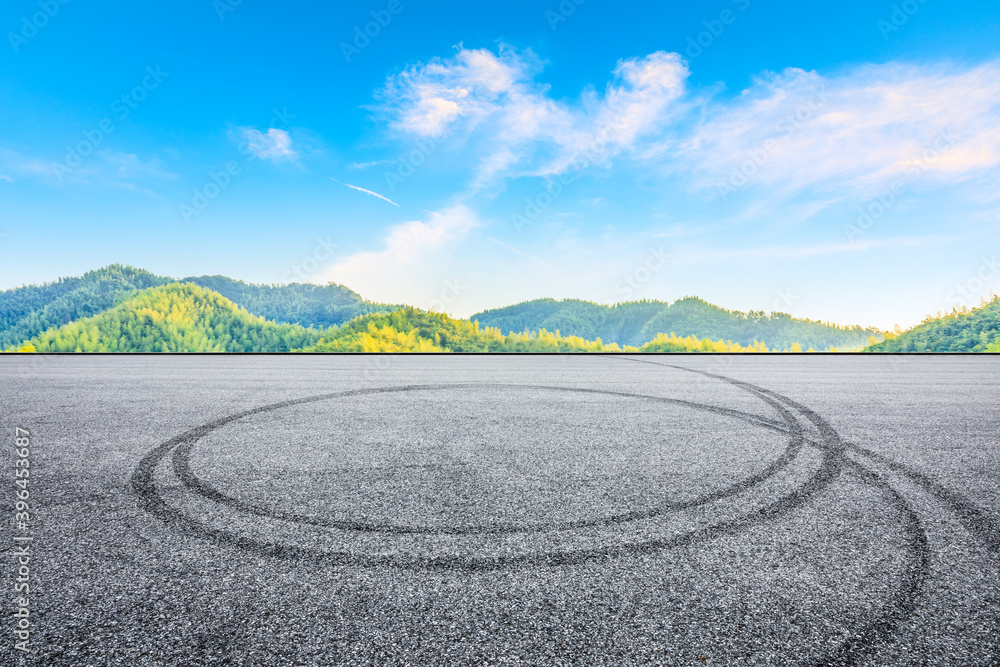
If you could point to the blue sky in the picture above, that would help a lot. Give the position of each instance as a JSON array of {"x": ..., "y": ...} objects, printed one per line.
[{"x": 838, "y": 162}]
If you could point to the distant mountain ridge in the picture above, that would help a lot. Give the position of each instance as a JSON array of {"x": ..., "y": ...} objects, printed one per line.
[
  {"x": 335, "y": 318},
  {"x": 638, "y": 322},
  {"x": 26, "y": 312},
  {"x": 976, "y": 330},
  {"x": 175, "y": 318}
]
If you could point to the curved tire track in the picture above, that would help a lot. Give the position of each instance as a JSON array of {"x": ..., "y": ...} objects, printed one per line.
[{"x": 887, "y": 629}]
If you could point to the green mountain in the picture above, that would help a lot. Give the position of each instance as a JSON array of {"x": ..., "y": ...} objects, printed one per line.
[
  {"x": 307, "y": 305},
  {"x": 27, "y": 311},
  {"x": 175, "y": 318},
  {"x": 976, "y": 330},
  {"x": 120, "y": 308},
  {"x": 638, "y": 322},
  {"x": 413, "y": 330}
]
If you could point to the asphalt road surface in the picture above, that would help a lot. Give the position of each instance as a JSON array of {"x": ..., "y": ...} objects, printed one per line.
[{"x": 674, "y": 510}]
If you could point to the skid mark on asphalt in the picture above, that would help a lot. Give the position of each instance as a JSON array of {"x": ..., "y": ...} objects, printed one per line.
[
  {"x": 889, "y": 629},
  {"x": 804, "y": 428}
]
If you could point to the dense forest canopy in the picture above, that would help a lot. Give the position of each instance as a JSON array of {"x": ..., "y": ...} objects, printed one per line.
[
  {"x": 412, "y": 330},
  {"x": 636, "y": 323},
  {"x": 28, "y": 311},
  {"x": 961, "y": 330},
  {"x": 124, "y": 309},
  {"x": 175, "y": 318},
  {"x": 307, "y": 305}
]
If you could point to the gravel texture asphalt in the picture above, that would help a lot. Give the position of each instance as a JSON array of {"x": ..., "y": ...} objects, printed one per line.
[{"x": 503, "y": 510}]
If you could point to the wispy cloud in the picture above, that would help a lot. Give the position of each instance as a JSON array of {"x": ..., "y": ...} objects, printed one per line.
[
  {"x": 805, "y": 252},
  {"x": 104, "y": 169},
  {"x": 274, "y": 144},
  {"x": 408, "y": 249},
  {"x": 511, "y": 124},
  {"x": 368, "y": 192},
  {"x": 516, "y": 251},
  {"x": 368, "y": 165},
  {"x": 847, "y": 132}
]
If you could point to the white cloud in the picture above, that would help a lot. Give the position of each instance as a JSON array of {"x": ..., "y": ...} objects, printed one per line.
[
  {"x": 403, "y": 269},
  {"x": 127, "y": 166},
  {"x": 850, "y": 132},
  {"x": 6, "y": 178},
  {"x": 274, "y": 144},
  {"x": 512, "y": 124}
]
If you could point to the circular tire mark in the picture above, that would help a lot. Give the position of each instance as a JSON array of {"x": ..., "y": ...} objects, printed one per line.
[
  {"x": 144, "y": 487},
  {"x": 182, "y": 468}
]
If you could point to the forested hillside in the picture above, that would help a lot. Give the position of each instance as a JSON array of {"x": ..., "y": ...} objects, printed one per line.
[
  {"x": 412, "y": 330},
  {"x": 175, "y": 318},
  {"x": 638, "y": 322},
  {"x": 120, "y": 308},
  {"x": 308, "y": 305},
  {"x": 975, "y": 330},
  {"x": 27, "y": 311}
]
